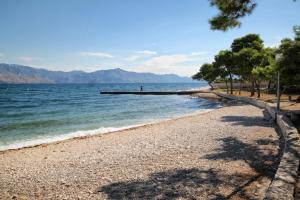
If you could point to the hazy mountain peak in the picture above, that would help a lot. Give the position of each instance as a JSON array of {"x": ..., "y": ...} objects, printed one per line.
[{"x": 13, "y": 73}]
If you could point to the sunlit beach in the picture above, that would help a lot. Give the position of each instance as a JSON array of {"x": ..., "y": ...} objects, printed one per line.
[{"x": 150, "y": 99}]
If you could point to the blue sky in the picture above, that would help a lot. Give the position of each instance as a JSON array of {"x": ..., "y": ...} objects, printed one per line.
[{"x": 160, "y": 36}]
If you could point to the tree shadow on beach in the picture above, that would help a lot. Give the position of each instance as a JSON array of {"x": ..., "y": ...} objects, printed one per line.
[
  {"x": 180, "y": 183},
  {"x": 260, "y": 159},
  {"x": 185, "y": 184},
  {"x": 206, "y": 183},
  {"x": 163, "y": 185},
  {"x": 242, "y": 120},
  {"x": 194, "y": 183},
  {"x": 256, "y": 154}
]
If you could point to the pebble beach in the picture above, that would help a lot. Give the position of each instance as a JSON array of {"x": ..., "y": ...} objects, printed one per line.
[{"x": 228, "y": 153}]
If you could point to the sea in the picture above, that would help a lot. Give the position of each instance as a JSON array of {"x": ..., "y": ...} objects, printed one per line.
[{"x": 32, "y": 114}]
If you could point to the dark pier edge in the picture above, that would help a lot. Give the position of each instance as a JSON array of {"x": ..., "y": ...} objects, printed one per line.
[{"x": 188, "y": 92}]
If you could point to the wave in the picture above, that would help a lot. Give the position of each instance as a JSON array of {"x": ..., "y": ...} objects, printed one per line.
[
  {"x": 200, "y": 88},
  {"x": 76, "y": 134}
]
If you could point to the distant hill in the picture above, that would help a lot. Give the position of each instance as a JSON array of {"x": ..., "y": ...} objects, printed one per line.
[{"x": 12, "y": 73}]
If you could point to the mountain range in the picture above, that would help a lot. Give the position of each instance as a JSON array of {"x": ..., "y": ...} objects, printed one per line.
[{"x": 13, "y": 73}]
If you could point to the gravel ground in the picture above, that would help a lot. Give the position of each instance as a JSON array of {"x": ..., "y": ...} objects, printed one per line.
[{"x": 229, "y": 153}]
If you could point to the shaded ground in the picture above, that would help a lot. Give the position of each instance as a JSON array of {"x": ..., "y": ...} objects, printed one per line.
[
  {"x": 230, "y": 153},
  {"x": 285, "y": 104},
  {"x": 191, "y": 183}
]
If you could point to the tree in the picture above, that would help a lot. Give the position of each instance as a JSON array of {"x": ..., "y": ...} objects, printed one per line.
[
  {"x": 224, "y": 61},
  {"x": 248, "y": 41},
  {"x": 264, "y": 70},
  {"x": 246, "y": 59},
  {"x": 269, "y": 65},
  {"x": 230, "y": 12},
  {"x": 297, "y": 32},
  {"x": 207, "y": 72},
  {"x": 289, "y": 64},
  {"x": 246, "y": 55}
]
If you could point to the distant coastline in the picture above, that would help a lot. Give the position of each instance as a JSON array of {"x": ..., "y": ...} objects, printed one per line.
[{"x": 13, "y": 73}]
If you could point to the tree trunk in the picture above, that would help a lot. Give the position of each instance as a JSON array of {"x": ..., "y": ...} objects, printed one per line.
[
  {"x": 240, "y": 89},
  {"x": 252, "y": 88},
  {"x": 230, "y": 76},
  {"x": 226, "y": 86},
  {"x": 269, "y": 87},
  {"x": 275, "y": 86},
  {"x": 257, "y": 83}
]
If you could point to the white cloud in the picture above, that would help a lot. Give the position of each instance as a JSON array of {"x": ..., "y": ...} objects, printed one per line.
[
  {"x": 133, "y": 58},
  {"x": 147, "y": 52},
  {"x": 141, "y": 54},
  {"x": 182, "y": 64},
  {"x": 166, "y": 60},
  {"x": 1, "y": 54},
  {"x": 26, "y": 58},
  {"x": 97, "y": 54},
  {"x": 199, "y": 53},
  {"x": 273, "y": 42}
]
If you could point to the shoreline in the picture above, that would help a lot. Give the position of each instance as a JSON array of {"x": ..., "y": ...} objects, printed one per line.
[
  {"x": 204, "y": 155},
  {"x": 73, "y": 136},
  {"x": 38, "y": 141}
]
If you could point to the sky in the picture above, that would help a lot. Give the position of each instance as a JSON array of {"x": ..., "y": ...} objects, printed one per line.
[{"x": 159, "y": 36}]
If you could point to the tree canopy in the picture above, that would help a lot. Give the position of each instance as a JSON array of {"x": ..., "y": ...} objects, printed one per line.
[
  {"x": 289, "y": 63},
  {"x": 224, "y": 62},
  {"x": 230, "y": 13},
  {"x": 249, "y": 61},
  {"x": 252, "y": 41},
  {"x": 207, "y": 72}
]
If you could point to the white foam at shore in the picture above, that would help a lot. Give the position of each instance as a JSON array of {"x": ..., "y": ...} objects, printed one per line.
[
  {"x": 62, "y": 137},
  {"x": 201, "y": 88},
  {"x": 77, "y": 134},
  {"x": 196, "y": 89}
]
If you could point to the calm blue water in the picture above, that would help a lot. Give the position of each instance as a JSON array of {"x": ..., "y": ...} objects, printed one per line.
[{"x": 37, "y": 113}]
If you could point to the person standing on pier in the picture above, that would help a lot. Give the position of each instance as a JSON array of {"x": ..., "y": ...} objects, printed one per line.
[{"x": 141, "y": 90}]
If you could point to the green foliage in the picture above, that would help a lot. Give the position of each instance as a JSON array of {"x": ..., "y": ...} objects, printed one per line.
[
  {"x": 225, "y": 64},
  {"x": 269, "y": 64},
  {"x": 207, "y": 72},
  {"x": 266, "y": 68},
  {"x": 259, "y": 73},
  {"x": 224, "y": 59},
  {"x": 289, "y": 63},
  {"x": 249, "y": 61},
  {"x": 248, "y": 55},
  {"x": 252, "y": 41},
  {"x": 297, "y": 32},
  {"x": 245, "y": 60},
  {"x": 230, "y": 13}
]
